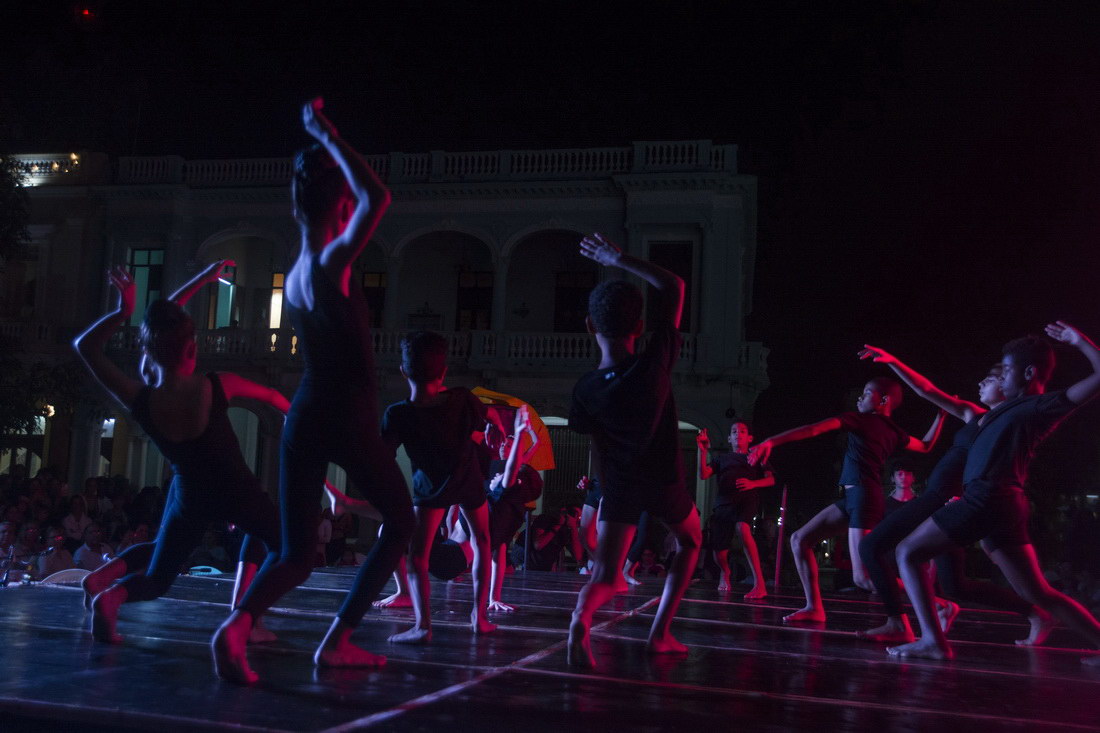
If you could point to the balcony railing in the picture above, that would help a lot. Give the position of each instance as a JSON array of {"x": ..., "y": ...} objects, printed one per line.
[{"x": 535, "y": 352}]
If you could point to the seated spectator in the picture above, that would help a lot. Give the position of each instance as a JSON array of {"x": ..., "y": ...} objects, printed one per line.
[
  {"x": 76, "y": 523},
  {"x": 136, "y": 536},
  {"x": 56, "y": 558},
  {"x": 550, "y": 534},
  {"x": 94, "y": 552},
  {"x": 29, "y": 543},
  {"x": 7, "y": 537},
  {"x": 210, "y": 553},
  {"x": 648, "y": 566}
]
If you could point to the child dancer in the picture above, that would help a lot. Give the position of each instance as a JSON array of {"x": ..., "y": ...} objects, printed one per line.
[
  {"x": 872, "y": 437},
  {"x": 334, "y": 416},
  {"x": 436, "y": 426},
  {"x": 627, "y": 406},
  {"x": 736, "y": 503},
  {"x": 185, "y": 415}
]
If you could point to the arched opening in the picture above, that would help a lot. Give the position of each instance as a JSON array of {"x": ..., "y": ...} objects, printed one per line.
[
  {"x": 248, "y": 295},
  {"x": 548, "y": 284},
  {"x": 370, "y": 274},
  {"x": 446, "y": 283}
]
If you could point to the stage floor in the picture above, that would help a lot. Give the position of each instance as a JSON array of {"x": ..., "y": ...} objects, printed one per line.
[{"x": 745, "y": 669}]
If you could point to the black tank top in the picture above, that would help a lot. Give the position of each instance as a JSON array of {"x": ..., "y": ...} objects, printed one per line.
[
  {"x": 336, "y": 345},
  {"x": 212, "y": 458},
  {"x": 946, "y": 478}
]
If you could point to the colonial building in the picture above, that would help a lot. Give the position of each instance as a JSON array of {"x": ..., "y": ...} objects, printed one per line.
[{"x": 481, "y": 246}]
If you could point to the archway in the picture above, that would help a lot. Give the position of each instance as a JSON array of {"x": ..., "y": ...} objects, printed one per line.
[
  {"x": 548, "y": 283},
  {"x": 446, "y": 283}
]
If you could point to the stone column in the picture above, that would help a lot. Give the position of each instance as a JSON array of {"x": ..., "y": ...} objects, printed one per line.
[
  {"x": 391, "y": 319},
  {"x": 500, "y": 281},
  {"x": 85, "y": 447}
]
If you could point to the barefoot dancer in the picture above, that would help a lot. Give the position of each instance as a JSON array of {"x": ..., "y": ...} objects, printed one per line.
[
  {"x": 334, "y": 416},
  {"x": 436, "y": 426},
  {"x": 185, "y": 415},
  {"x": 993, "y": 506},
  {"x": 872, "y": 437},
  {"x": 627, "y": 406},
  {"x": 736, "y": 503},
  {"x": 878, "y": 548}
]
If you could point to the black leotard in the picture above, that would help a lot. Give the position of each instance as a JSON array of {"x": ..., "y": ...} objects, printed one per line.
[{"x": 334, "y": 418}]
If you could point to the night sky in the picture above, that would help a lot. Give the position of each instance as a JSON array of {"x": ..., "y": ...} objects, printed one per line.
[{"x": 928, "y": 175}]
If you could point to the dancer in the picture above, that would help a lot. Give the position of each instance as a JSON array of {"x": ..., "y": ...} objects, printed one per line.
[
  {"x": 736, "y": 503},
  {"x": 878, "y": 548},
  {"x": 184, "y": 413},
  {"x": 627, "y": 406},
  {"x": 436, "y": 426},
  {"x": 333, "y": 416},
  {"x": 993, "y": 506},
  {"x": 872, "y": 437}
]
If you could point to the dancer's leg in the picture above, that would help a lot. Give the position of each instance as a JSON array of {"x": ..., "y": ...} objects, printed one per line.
[
  {"x": 500, "y": 564},
  {"x": 611, "y": 548},
  {"x": 478, "y": 520},
  {"x": 427, "y": 523},
  {"x": 752, "y": 554},
  {"x": 925, "y": 543},
  {"x": 689, "y": 537},
  {"x": 722, "y": 560},
  {"x": 829, "y": 522}
]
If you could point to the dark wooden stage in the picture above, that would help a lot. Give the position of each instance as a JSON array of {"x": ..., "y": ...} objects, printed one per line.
[{"x": 745, "y": 671}]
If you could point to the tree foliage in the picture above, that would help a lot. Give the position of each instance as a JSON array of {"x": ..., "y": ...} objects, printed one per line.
[
  {"x": 26, "y": 389},
  {"x": 14, "y": 208}
]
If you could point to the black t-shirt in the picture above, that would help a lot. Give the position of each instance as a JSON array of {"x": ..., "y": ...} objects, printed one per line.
[
  {"x": 945, "y": 480},
  {"x": 526, "y": 488},
  {"x": 630, "y": 412},
  {"x": 728, "y": 468},
  {"x": 437, "y": 439},
  {"x": 1006, "y": 441},
  {"x": 871, "y": 440},
  {"x": 892, "y": 505}
]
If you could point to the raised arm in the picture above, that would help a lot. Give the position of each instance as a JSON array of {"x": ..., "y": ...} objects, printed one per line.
[
  {"x": 90, "y": 345},
  {"x": 1086, "y": 389},
  {"x": 512, "y": 464},
  {"x": 371, "y": 194},
  {"x": 925, "y": 444},
  {"x": 532, "y": 449},
  {"x": 703, "y": 441},
  {"x": 236, "y": 386},
  {"x": 761, "y": 451},
  {"x": 671, "y": 286},
  {"x": 209, "y": 274},
  {"x": 965, "y": 411}
]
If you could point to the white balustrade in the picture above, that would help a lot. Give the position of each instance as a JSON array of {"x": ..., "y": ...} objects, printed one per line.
[{"x": 160, "y": 169}]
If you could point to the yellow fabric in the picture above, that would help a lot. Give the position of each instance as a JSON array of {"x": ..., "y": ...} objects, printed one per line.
[{"x": 543, "y": 460}]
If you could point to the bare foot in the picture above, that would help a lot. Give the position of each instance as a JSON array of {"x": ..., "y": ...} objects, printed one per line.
[
  {"x": 807, "y": 615},
  {"x": 896, "y": 630},
  {"x": 397, "y": 600},
  {"x": 261, "y": 635},
  {"x": 500, "y": 607},
  {"x": 415, "y": 635},
  {"x": 665, "y": 645},
  {"x": 947, "y": 613},
  {"x": 757, "y": 592},
  {"x": 1042, "y": 623},
  {"x": 1093, "y": 661},
  {"x": 105, "y": 615},
  {"x": 347, "y": 655},
  {"x": 228, "y": 648},
  {"x": 578, "y": 653},
  {"x": 723, "y": 583},
  {"x": 481, "y": 625},
  {"x": 922, "y": 649}
]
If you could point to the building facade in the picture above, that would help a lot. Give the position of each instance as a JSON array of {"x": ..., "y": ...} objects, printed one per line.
[{"x": 481, "y": 246}]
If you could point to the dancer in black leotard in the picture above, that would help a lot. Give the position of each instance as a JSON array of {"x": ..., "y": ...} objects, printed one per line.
[
  {"x": 334, "y": 416},
  {"x": 878, "y": 548},
  {"x": 185, "y": 415}
]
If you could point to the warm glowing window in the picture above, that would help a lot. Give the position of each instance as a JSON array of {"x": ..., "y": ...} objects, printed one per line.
[
  {"x": 147, "y": 269},
  {"x": 275, "y": 312}
]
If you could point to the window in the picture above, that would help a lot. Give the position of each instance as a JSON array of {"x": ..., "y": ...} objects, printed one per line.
[
  {"x": 374, "y": 290},
  {"x": 475, "y": 301},
  {"x": 147, "y": 269},
  {"x": 222, "y": 309},
  {"x": 275, "y": 311},
  {"x": 676, "y": 256}
]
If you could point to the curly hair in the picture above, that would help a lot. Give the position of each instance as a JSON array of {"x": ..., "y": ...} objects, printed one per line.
[
  {"x": 615, "y": 307},
  {"x": 1032, "y": 350}
]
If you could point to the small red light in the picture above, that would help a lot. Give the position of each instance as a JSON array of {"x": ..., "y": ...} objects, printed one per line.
[{"x": 86, "y": 12}]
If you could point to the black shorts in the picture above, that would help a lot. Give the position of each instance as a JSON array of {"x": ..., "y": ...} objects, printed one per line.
[
  {"x": 863, "y": 507},
  {"x": 1001, "y": 520},
  {"x": 725, "y": 518},
  {"x": 469, "y": 494},
  {"x": 592, "y": 497},
  {"x": 671, "y": 505}
]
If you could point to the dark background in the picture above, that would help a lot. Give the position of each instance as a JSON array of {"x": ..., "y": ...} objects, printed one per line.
[{"x": 928, "y": 173}]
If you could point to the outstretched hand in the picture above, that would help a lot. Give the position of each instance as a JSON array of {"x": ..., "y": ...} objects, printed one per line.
[
  {"x": 523, "y": 420},
  {"x": 315, "y": 121},
  {"x": 1062, "y": 331},
  {"x": 876, "y": 354},
  {"x": 595, "y": 247},
  {"x": 214, "y": 270},
  {"x": 760, "y": 453},
  {"x": 127, "y": 291}
]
